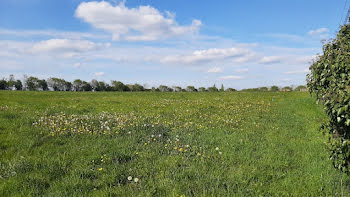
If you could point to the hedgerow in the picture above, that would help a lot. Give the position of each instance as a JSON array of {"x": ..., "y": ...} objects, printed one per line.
[{"x": 329, "y": 80}]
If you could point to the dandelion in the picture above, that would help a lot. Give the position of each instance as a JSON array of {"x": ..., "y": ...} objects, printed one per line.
[
  {"x": 181, "y": 149},
  {"x": 129, "y": 178},
  {"x": 100, "y": 169},
  {"x": 136, "y": 180}
]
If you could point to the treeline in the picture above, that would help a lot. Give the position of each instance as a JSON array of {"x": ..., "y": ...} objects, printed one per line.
[{"x": 57, "y": 84}]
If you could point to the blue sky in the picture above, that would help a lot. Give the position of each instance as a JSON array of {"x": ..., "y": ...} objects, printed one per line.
[{"x": 240, "y": 44}]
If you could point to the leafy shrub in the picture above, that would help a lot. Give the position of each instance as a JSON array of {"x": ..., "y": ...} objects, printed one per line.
[{"x": 329, "y": 80}]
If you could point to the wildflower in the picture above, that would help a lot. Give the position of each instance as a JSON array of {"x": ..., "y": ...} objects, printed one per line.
[
  {"x": 175, "y": 148},
  {"x": 129, "y": 178},
  {"x": 220, "y": 153},
  {"x": 217, "y": 148},
  {"x": 181, "y": 149},
  {"x": 100, "y": 169},
  {"x": 136, "y": 180},
  {"x": 136, "y": 153}
]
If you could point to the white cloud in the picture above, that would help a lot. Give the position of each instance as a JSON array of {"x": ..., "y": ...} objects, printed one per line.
[
  {"x": 270, "y": 60},
  {"x": 58, "y": 45},
  {"x": 231, "y": 77},
  {"x": 318, "y": 31},
  {"x": 208, "y": 55},
  {"x": 215, "y": 70},
  {"x": 297, "y": 72},
  {"x": 143, "y": 23},
  {"x": 242, "y": 70},
  {"x": 99, "y": 74}
]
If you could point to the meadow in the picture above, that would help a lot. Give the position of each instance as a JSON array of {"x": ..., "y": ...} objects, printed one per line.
[{"x": 164, "y": 144}]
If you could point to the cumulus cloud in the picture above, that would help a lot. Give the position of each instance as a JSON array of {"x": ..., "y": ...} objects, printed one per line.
[
  {"x": 231, "y": 77},
  {"x": 318, "y": 31},
  {"x": 208, "y": 55},
  {"x": 215, "y": 70},
  {"x": 143, "y": 23}
]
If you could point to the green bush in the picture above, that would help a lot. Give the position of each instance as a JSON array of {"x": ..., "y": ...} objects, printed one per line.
[{"x": 329, "y": 80}]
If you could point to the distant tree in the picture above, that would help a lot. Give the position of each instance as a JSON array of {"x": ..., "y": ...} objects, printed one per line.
[
  {"x": 177, "y": 89},
  {"x": 230, "y": 90},
  {"x": 191, "y": 89},
  {"x": 18, "y": 85},
  {"x": 11, "y": 81},
  {"x": 222, "y": 89},
  {"x": 263, "y": 89},
  {"x": 202, "y": 89},
  {"x": 102, "y": 86},
  {"x": 68, "y": 86},
  {"x": 77, "y": 85},
  {"x": 86, "y": 86},
  {"x": 301, "y": 88},
  {"x": 95, "y": 85},
  {"x": 43, "y": 84},
  {"x": 164, "y": 88},
  {"x": 57, "y": 84},
  {"x": 287, "y": 88},
  {"x": 32, "y": 83},
  {"x": 3, "y": 84},
  {"x": 119, "y": 86},
  {"x": 137, "y": 88},
  {"x": 274, "y": 89},
  {"x": 213, "y": 89}
]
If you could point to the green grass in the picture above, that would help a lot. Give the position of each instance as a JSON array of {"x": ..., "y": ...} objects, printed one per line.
[{"x": 265, "y": 147}]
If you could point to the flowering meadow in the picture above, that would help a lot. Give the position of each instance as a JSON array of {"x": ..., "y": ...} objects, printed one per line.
[{"x": 164, "y": 144}]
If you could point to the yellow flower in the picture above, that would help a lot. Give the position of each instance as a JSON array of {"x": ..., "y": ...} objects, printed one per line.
[
  {"x": 181, "y": 149},
  {"x": 100, "y": 169}
]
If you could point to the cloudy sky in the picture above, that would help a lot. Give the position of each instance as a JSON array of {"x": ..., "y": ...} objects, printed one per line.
[{"x": 240, "y": 44}]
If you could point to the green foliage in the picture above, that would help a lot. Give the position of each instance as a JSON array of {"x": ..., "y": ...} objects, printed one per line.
[
  {"x": 213, "y": 89},
  {"x": 32, "y": 83},
  {"x": 330, "y": 81},
  {"x": 231, "y": 90},
  {"x": 191, "y": 89},
  {"x": 18, "y": 85},
  {"x": 274, "y": 89},
  {"x": 3, "y": 84},
  {"x": 119, "y": 86}
]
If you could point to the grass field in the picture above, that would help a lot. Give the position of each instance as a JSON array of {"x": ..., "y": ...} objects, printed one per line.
[{"x": 164, "y": 144}]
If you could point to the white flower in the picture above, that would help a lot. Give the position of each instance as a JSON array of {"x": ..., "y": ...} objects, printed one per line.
[
  {"x": 187, "y": 146},
  {"x": 220, "y": 153},
  {"x": 152, "y": 135},
  {"x": 160, "y": 135},
  {"x": 129, "y": 178},
  {"x": 136, "y": 180},
  {"x": 217, "y": 148}
]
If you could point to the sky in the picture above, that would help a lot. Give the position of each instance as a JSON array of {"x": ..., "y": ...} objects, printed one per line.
[{"x": 240, "y": 44}]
